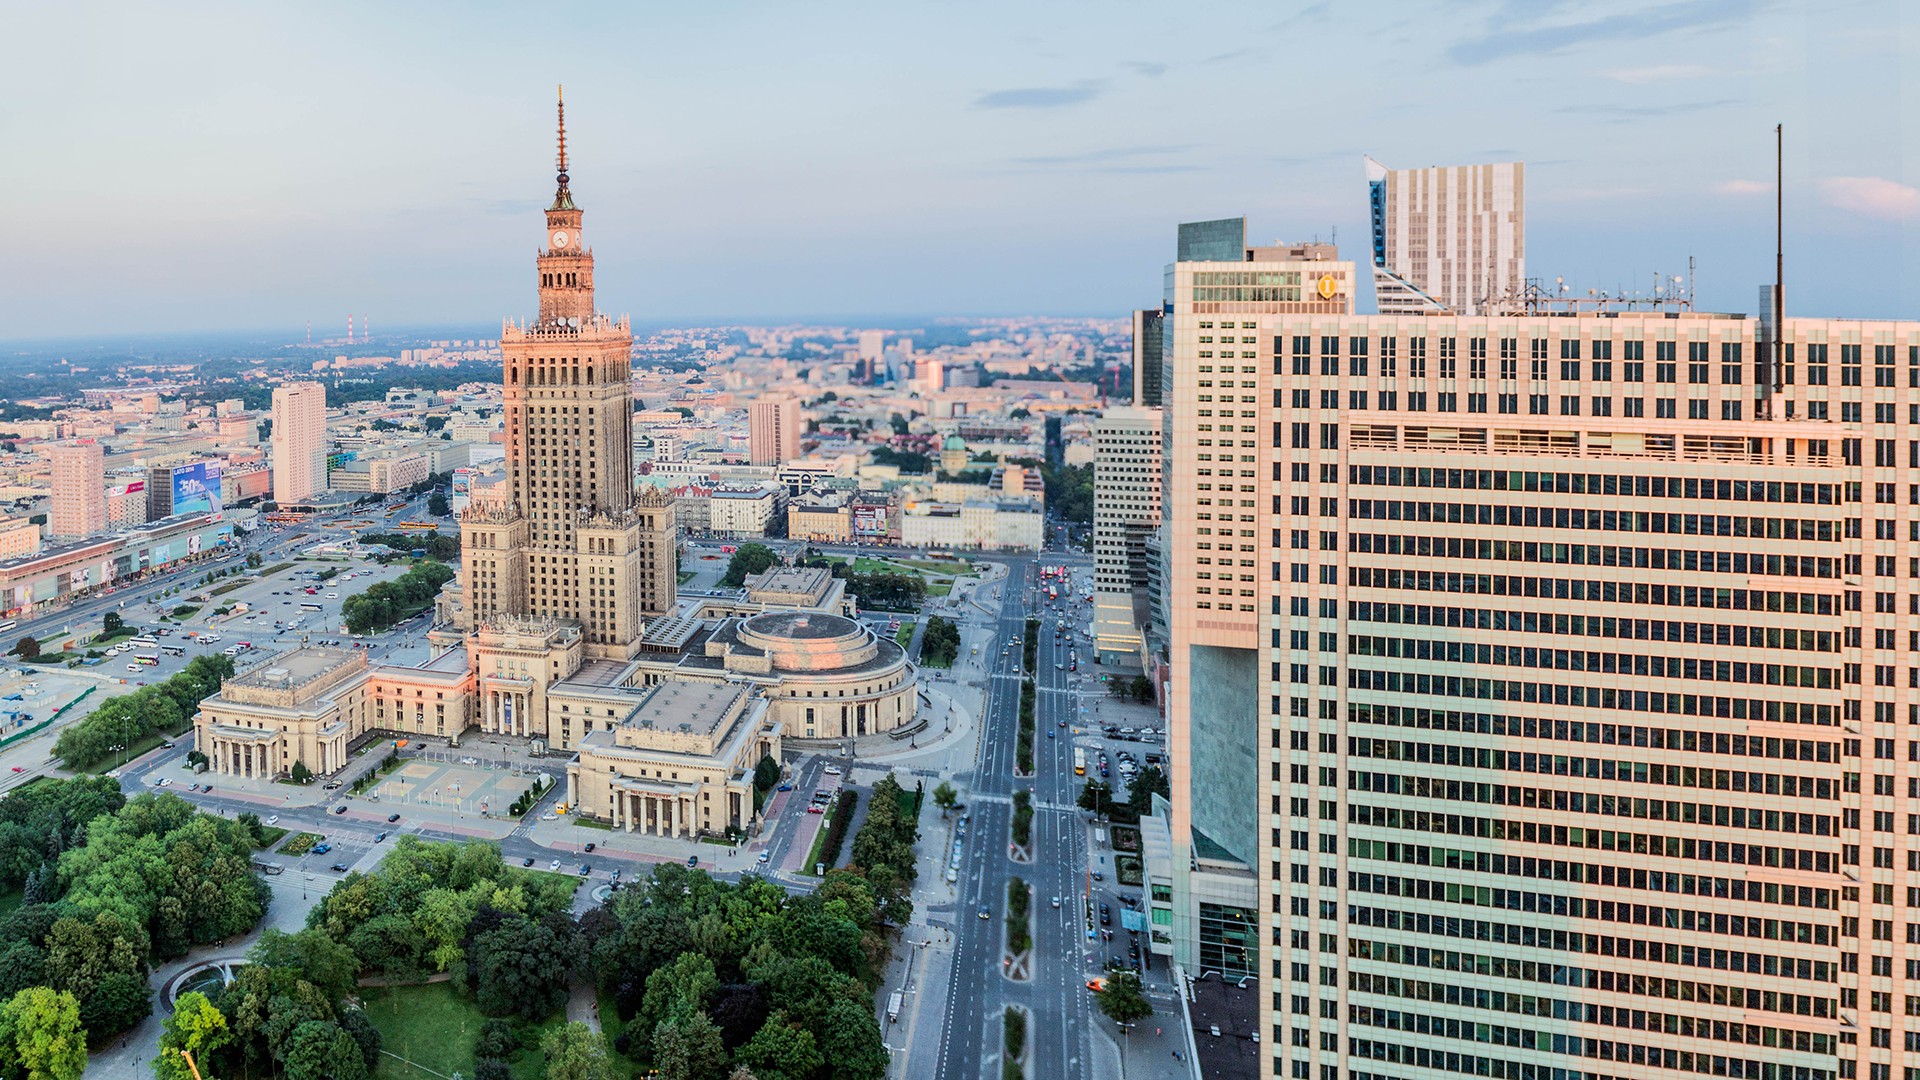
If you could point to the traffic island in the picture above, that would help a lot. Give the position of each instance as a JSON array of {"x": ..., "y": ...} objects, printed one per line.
[
  {"x": 1023, "y": 745},
  {"x": 1013, "y": 1058},
  {"x": 1016, "y": 961},
  {"x": 1020, "y": 845}
]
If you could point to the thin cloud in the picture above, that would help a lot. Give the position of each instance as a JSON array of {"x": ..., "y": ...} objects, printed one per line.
[
  {"x": 1657, "y": 73},
  {"x": 1149, "y": 68},
  {"x": 1041, "y": 97},
  {"x": 1107, "y": 154},
  {"x": 1742, "y": 187},
  {"x": 1503, "y": 41},
  {"x": 1872, "y": 196},
  {"x": 1630, "y": 114}
]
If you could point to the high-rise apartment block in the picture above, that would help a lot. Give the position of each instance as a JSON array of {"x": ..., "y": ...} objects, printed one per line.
[
  {"x": 299, "y": 441},
  {"x": 79, "y": 505},
  {"x": 773, "y": 430},
  {"x": 1545, "y": 687},
  {"x": 1126, "y": 511},
  {"x": 1448, "y": 238}
]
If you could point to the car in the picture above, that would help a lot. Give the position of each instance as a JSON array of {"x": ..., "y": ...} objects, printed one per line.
[
  {"x": 554, "y": 865},
  {"x": 590, "y": 846},
  {"x": 528, "y": 861},
  {"x": 763, "y": 856},
  {"x": 832, "y": 770},
  {"x": 273, "y": 819},
  {"x": 615, "y": 877},
  {"x": 340, "y": 809},
  {"x": 391, "y": 818},
  {"x": 816, "y": 808},
  {"x": 379, "y": 836},
  {"x": 338, "y": 868},
  {"x": 1056, "y": 901},
  {"x": 693, "y": 861},
  {"x": 1098, "y": 876},
  {"x": 322, "y": 848},
  {"x": 1050, "y": 733},
  {"x": 984, "y": 914},
  {"x": 1106, "y": 916},
  {"x": 1063, "y": 723},
  {"x": 783, "y": 787},
  {"x": 166, "y": 781}
]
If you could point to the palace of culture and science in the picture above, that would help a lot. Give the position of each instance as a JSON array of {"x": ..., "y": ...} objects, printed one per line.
[{"x": 564, "y": 627}]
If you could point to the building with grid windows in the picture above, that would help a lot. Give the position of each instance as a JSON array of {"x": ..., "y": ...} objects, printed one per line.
[
  {"x": 1447, "y": 238},
  {"x": 1126, "y": 511},
  {"x": 1548, "y": 686}
]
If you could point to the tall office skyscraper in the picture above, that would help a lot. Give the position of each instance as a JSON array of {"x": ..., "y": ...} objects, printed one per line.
[
  {"x": 299, "y": 441},
  {"x": 1568, "y": 735},
  {"x": 773, "y": 430},
  {"x": 1447, "y": 238},
  {"x": 1147, "y": 324},
  {"x": 79, "y": 505},
  {"x": 573, "y": 543},
  {"x": 1126, "y": 511}
]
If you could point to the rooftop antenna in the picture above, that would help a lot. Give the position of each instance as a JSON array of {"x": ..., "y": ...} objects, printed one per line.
[
  {"x": 349, "y": 329},
  {"x": 1779, "y": 251}
]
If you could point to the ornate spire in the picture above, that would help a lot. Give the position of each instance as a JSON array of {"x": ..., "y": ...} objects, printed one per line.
[{"x": 562, "y": 199}]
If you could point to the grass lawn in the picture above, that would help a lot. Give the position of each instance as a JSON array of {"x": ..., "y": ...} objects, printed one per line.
[
  {"x": 118, "y": 635},
  {"x": 688, "y": 575},
  {"x": 954, "y": 569},
  {"x": 434, "y": 1025},
  {"x": 574, "y": 881},
  {"x": 276, "y": 568},
  {"x": 940, "y": 588},
  {"x": 271, "y": 835},
  {"x": 905, "y": 634},
  {"x": 226, "y": 588},
  {"x": 589, "y": 823},
  {"x": 115, "y": 759}
]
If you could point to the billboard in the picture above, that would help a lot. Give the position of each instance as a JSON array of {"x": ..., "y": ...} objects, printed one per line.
[
  {"x": 870, "y": 521},
  {"x": 462, "y": 481},
  {"x": 196, "y": 488}
]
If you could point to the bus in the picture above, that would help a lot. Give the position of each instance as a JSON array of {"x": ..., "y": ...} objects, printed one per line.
[
  {"x": 310, "y": 607},
  {"x": 8, "y": 625},
  {"x": 1079, "y": 761},
  {"x": 146, "y": 659},
  {"x": 144, "y": 643},
  {"x": 418, "y": 526},
  {"x": 173, "y": 650}
]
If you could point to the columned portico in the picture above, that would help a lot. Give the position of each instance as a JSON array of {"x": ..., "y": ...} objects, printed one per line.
[{"x": 655, "y": 812}]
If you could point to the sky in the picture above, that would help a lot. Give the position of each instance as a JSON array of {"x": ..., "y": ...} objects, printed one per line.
[{"x": 219, "y": 167}]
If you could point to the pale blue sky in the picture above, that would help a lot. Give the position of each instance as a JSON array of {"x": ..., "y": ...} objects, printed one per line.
[{"x": 229, "y": 166}]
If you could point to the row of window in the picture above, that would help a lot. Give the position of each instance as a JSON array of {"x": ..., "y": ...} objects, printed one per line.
[
  {"x": 1580, "y": 483},
  {"x": 1736, "y": 854},
  {"x": 1569, "y": 518},
  {"x": 1637, "y": 1054},
  {"x": 1640, "y": 665},
  {"x": 1640, "y": 594},
  {"x": 1682, "y": 1026}
]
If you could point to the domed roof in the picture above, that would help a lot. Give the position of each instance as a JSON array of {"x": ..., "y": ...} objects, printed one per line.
[
  {"x": 954, "y": 442},
  {"x": 809, "y": 640}
]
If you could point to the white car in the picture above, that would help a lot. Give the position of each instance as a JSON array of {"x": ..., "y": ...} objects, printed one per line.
[
  {"x": 554, "y": 865},
  {"x": 166, "y": 781},
  {"x": 832, "y": 770},
  {"x": 333, "y": 596},
  {"x": 273, "y": 819}
]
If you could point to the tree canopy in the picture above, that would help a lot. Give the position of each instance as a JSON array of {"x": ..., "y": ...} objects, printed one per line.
[{"x": 748, "y": 559}]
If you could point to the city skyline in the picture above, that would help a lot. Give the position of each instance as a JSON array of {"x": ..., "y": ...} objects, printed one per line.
[{"x": 1022, "y": 166}]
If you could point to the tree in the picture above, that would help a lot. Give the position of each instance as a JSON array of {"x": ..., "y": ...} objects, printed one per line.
[
  {"x": 1122, "y": 1000},
  {"x": 322, "y": 1050},
  {"x": 28, "y": 649},
  {"x": 197, "y": 1027},
  {"x": 300, "y": 773},
  {"x": 748, "y": 559},
  {"x": 1145, "y": 784},
  {"x": 115, "y": 1004},
  {"x": 766, "y": 774},
  {"x": 112, "y": 623},
  {"x": 364, "y": 1034},
  {"x": 850, "y": 1039},
  {"x": 576, "y": 1052},
  {"x": 944, "y": 797},
  {"x": 42, "y": 1027},
  {"x": 689, "y": 1048},
  {"x": 523, "y": 966},
  {"x": 438, "y": 506},
  {"x": 310, "y": 955},
  {"x": 1096, "y": 796},
  {"x": 781, "y": 1051}
]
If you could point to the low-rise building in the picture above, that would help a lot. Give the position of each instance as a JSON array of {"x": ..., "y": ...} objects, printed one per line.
[
  {"x": 676, "y": 759},
  {"x": 746, "y": 511},
  {"x": 822, "y": 518}
]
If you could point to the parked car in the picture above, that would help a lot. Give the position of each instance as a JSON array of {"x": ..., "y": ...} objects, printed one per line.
[
  {"x": 693, "y": 862},
  {"x": 322, "y": 848},
  {"x": 391, "y": 818},
  {"x": 338, "y": 868},
  {"x": 590, "y": 846},
  {"x": 554, "y": 865},
  {"x": 340, "y": 809},
  {"x": 528, "y": 861}
]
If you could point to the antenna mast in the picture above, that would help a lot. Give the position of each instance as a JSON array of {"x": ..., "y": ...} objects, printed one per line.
[{"x": 1779, "y": 251}]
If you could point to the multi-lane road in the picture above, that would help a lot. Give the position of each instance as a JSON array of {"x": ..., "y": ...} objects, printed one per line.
[{"x": 1054, "y": 990}]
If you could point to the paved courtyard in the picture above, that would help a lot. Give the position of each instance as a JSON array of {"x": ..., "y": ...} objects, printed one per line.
[{"x": 466, "y": 789}]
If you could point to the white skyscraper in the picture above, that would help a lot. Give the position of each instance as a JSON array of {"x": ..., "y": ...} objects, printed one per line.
[
  {"x": 1447, "y": 238},
  {"x": 299, "y": 441}
]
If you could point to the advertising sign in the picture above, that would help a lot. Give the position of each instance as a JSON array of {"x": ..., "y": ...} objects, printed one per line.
[
  {"x": 870, "y": 521},
  {"x": 196, "y": 488}
]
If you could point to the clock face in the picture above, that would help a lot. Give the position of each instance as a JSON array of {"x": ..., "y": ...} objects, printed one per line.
[{"x": 560, "y": 238}]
